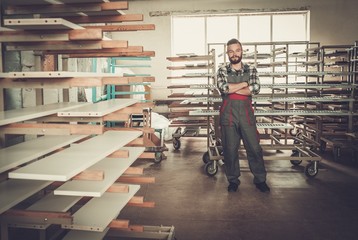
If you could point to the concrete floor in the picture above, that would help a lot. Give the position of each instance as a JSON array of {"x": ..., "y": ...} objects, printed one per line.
[{"x": 199, "y": 207}]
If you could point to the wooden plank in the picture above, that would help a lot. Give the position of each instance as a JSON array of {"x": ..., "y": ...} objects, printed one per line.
[
  {"x": 119, "y": 223},
  {"x": 54, "y": 74},
  {"x": 99, "y": 109},
  {"x": 24, "y": 152},
  {"x": 117, "y": 54},
  {"x": 79, "y": 235},
  {"x": 68, "y": 82},
  {"x": 106, "y": 19},
  {"x": 54, "y": 203},
  {"x": 36, "y": 217},
  {"x": 66, "y": 164},
  {"x": 107, "y": 48},
  {"x": 124, "y": 28},
  {"x": 50, "y": 203},
  {"x": 52, "y": 129},
  {"x": 112, "y": 167},
  {"x": 120, "y": 154},
  {"x": 89, "y": 34},
  {"x": 110, "y": 204},
  {"x": 14, "y": 191},
  {"x": 90, "y": 175},
  {"x": 23, "y": 114},
  {"x": 118, "y": 188},
  {"x": 53, "y": 47},
  {"x": 70, "y": 8},
  {"x": 38, "y": 2},
  {"x": 137, "y": 180},
  {"x": 127, "y": 80},
  {"x": 77, "y": 34},
  {"x": 40, "y": 24}
]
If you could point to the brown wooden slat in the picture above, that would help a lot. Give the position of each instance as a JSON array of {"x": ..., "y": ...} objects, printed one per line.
[
  {"x": 38, "y": 36},
  {"x": 66, "y": 8},
  {"x": 123, "y": 50},
  {"x": 117, "y": 54},
  {"x": 123, "y": 28},
  {"x": 95, "y": 175},
  {"x": 106, "y": 19}
]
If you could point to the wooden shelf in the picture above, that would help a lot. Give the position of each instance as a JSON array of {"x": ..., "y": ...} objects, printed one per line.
[
  {"x": 23, "y": 114},
  {"x": 21, "y": 153},
  {"x": 64, "y": 165},
  {"x": 113, "y": 168},
  {"x": 40, "y": 24}
]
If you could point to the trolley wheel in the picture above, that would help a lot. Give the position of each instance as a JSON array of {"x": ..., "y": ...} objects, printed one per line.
[
  {"x": 176, "y": 143},
  {"x": 206, "y": 157},
  {"x": 158, "y": 157},
  {"x": 295, "y": 162},
  {"x": 211, "y": 168},
  {"x": 311, "y": 170},
  {"x": 292, "y": 132}
]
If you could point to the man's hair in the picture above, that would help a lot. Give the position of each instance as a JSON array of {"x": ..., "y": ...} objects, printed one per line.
[{"x": 233, "y": 41}]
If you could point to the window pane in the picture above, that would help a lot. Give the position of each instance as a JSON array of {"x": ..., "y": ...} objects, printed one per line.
[
  {"x": 254, "y": 28},
  {"x": 188, "y": 35},
  {"x": 284, "y": 31},
  {"x": 221, "y": 29}
]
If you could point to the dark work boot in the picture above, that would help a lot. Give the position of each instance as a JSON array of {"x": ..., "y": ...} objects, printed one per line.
[{"x": 262, "y": 186}]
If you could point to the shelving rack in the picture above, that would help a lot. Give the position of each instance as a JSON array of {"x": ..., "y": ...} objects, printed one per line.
[
  {"x": 38, "y": 194},
  {"x": 141, "y": 119},
  {"x": 285, "y": 105},
  {"x": 338, "y": 129},
  {"x": 191, "y": 96}
]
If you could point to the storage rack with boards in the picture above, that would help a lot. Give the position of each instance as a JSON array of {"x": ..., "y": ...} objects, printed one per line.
[
  {"x": 280, "y": 108},
  {"x": 195, "y": 95},
  {"x": 338, "y": 129},
  {"x": 132, "y": 66},
  {"x": 74, "y": 165}
]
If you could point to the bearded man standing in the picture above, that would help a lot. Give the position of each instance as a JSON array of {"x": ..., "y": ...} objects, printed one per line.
[{"x": 237, "y": 83}]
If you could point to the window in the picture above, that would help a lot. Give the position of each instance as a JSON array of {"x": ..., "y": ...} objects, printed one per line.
[
  {"x": 199, "y": 34},
  {"x": 258, "y": 27}
]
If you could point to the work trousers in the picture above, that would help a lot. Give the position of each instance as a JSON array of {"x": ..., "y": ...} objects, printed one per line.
[{"x": 237, "y": 121}]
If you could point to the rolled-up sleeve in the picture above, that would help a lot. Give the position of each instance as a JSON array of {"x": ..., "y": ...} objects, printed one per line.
[
  {"x": 254, "y": 81},
  {"x": 222, "y": 81}
]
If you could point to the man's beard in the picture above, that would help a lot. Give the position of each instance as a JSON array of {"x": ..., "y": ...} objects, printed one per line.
[{"x": 232, "y": 61}]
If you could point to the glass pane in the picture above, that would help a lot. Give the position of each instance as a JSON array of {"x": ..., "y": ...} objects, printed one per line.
[
  {"x": 221, "y": 29},
  {"x": 188, "y": 35},
  {"x": 283, "y": 30},
  {"x": 254, "y": 28}
]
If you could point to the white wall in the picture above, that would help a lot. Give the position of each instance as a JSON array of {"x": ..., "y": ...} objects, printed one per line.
[{"x": 332, "y": 22}]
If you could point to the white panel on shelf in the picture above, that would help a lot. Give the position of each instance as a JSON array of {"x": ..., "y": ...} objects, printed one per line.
[
  {"x": 23, "y": 114},
  {"x": 98, "y": 213},
  {"x": 112, "y": 167},
  {"x": 64, "y": 165},
  {"x": 98, "y": 109},
  {"x": 24, "y": 152},
  {"x": 14, "y": 191}
]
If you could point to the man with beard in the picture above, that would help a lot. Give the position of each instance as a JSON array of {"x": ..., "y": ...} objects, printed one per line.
[{"x": 237, "y": 82}]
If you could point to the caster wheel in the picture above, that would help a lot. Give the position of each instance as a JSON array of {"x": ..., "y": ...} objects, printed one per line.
[
  {"x": 158, "y": 157},
  {"x": 295, "y": 162},
  {"x": 206, "y": 157},
  {"x": 211, "y": 169},
  {"x": 176, "y": 143},
  {"x": 311, "y": 170}
]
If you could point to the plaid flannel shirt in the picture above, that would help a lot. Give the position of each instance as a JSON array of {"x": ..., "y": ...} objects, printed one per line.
[{"x": 222, "y": 84}]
